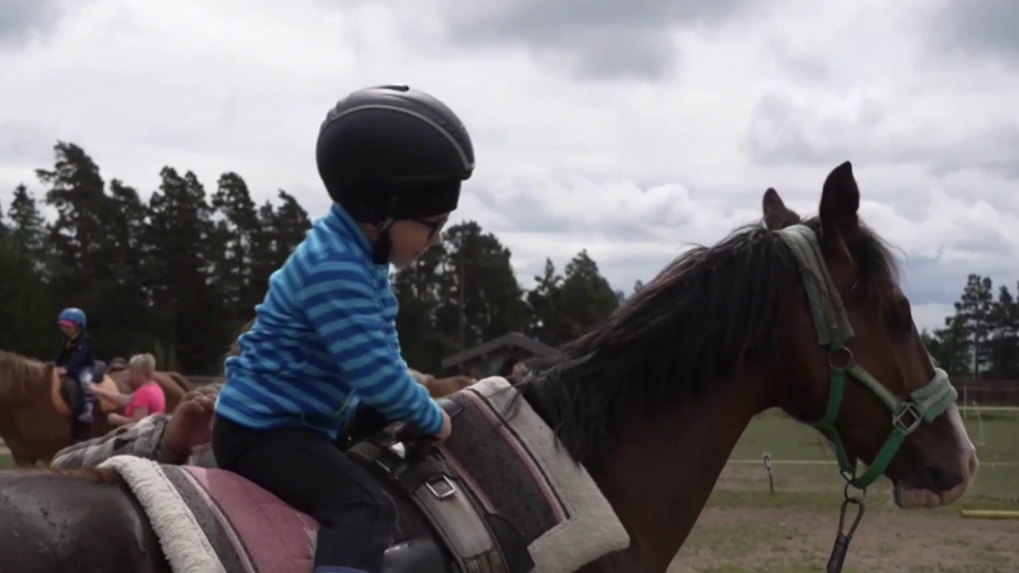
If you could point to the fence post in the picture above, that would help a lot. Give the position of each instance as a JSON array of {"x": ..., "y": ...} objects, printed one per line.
[
  {"x": 965, "y": 402},
  {"x": 768, "y": 469}
]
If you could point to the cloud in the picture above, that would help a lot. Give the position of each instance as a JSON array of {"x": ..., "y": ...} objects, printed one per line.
[
  {"x": 771, "y": 94},
  {"x": 23, "y": 20},
  {"x": 985, "y": 29},
  {"x": 790, "y": 127},
  {"x": 919, "y": 87},
  {"x": 591, "y": 39},
  {"x": 25, "y": 142}
]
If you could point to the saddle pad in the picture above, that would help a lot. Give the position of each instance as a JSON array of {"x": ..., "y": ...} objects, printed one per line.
[
  {"x": 213, "y": 521},
  {"x": 509, "y": 458},
  {"x": 60, "y": 403}
]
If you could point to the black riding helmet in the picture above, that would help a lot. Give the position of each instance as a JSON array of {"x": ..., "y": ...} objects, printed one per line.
[{"x": 392, "y": 152}]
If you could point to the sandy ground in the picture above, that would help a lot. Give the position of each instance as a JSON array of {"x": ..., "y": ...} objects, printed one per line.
[{"x": 791, "y": 541}]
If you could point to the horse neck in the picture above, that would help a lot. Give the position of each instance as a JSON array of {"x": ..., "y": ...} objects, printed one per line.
[
  {"x": 659, "y": 485},
  {"x": 19, "y": 374}
]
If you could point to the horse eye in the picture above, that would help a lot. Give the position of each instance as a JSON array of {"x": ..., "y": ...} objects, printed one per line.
[{"x": 900, "y": 317}]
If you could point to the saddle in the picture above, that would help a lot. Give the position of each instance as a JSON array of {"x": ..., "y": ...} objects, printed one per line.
[
  {"x": 473, "y": 540},
  {"x": 59, "y": 393}
]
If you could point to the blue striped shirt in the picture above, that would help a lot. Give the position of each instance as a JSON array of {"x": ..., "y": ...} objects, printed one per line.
[{"x": 323, "y": 340}]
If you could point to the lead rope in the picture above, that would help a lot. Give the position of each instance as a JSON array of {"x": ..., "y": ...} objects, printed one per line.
[
  {"x": 844, "y": 536},
  {"x": 833, "y": 330}
]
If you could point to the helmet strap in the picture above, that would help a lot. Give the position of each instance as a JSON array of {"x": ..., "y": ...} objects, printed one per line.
[{"x": 383, "y": 245}]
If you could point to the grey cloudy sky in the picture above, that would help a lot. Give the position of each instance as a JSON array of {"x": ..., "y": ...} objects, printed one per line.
[{"x": 628, "y": 128}]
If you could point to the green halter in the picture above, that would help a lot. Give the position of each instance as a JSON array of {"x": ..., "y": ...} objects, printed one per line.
[{"x": 833, "y": 332}]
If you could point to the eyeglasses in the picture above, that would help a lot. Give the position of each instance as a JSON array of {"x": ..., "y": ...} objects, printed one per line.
[{"x": 434, "y": 227}]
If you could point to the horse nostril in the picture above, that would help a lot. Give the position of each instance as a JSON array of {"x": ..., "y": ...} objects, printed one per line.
[
  {"x": 942, "y": 479},
  {"x": 973, "y": 464}
]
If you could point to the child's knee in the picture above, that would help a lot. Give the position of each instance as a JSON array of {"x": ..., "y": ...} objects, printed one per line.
[{"x": 373, "y": 506}]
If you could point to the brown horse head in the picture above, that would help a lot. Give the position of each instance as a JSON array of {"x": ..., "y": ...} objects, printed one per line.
[{"x": 885, "y": 359}]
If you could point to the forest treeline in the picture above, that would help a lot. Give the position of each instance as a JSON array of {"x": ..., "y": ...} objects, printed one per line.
[{"x": 178, "y": 274}]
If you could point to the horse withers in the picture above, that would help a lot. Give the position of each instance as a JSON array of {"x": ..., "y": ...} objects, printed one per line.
[{"x": 806, "y": 316}]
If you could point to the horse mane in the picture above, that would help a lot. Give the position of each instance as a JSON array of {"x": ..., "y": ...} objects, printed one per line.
[
  {"x": 17, "y": 372},
  {"x": 690, "y": 330}
]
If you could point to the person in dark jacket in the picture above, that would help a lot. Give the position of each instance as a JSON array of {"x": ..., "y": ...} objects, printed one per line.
[{"x": 76, "y": 359}]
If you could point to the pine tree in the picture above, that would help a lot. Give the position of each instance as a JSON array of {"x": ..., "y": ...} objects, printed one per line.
[
  {"x": 1003, "y": 346},
  {"x": 950, "y": 348},
  {"x": 26, "y": 311},
  {"x": 974, "y": 313}
]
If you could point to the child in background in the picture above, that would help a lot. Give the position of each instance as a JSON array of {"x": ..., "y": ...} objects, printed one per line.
[
  {"x": 324, "y": 340},
  {"x": 76, "y": 358}
]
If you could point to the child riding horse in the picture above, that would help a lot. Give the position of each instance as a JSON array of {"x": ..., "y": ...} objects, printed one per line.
[
  {"x": 76, "y": 359},
  {"x": 324, "y": 340}
]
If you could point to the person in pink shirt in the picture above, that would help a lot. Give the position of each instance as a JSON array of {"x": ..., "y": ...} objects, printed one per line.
[{"x": 147, "y": 398}]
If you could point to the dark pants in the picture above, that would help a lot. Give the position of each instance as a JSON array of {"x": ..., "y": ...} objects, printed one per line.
[
  {"x": 77, "y": 399},
  {"x": 304, "y": 469}
]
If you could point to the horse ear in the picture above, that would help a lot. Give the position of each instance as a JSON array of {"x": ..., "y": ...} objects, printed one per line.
[
  {"x": 840, "y": 202},
  {"x": 776, "y": 215}
]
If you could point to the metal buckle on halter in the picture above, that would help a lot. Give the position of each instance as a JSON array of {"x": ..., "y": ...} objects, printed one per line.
[
  {"x": 908, "y": 408},
  {"x": 450, "y": 488},
  {"x": 834, "y": 351}
]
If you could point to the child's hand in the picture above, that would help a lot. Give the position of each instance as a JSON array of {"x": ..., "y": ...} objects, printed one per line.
[
  {"x": 447, "y": 428},
  {"x": 407, "y": 432}
]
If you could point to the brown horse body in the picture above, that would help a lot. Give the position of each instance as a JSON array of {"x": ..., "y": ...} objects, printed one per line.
[
  {"x": 441, "y": 387},
  {"x": 31, "y": 425},
  {"x": 652, "y": 403}
]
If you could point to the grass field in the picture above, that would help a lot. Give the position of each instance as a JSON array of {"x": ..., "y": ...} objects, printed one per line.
[{"x": 747, "y": 529}]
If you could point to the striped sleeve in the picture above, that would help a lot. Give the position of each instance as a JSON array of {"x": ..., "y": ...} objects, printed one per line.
[{"x": 339, "y": 298}]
